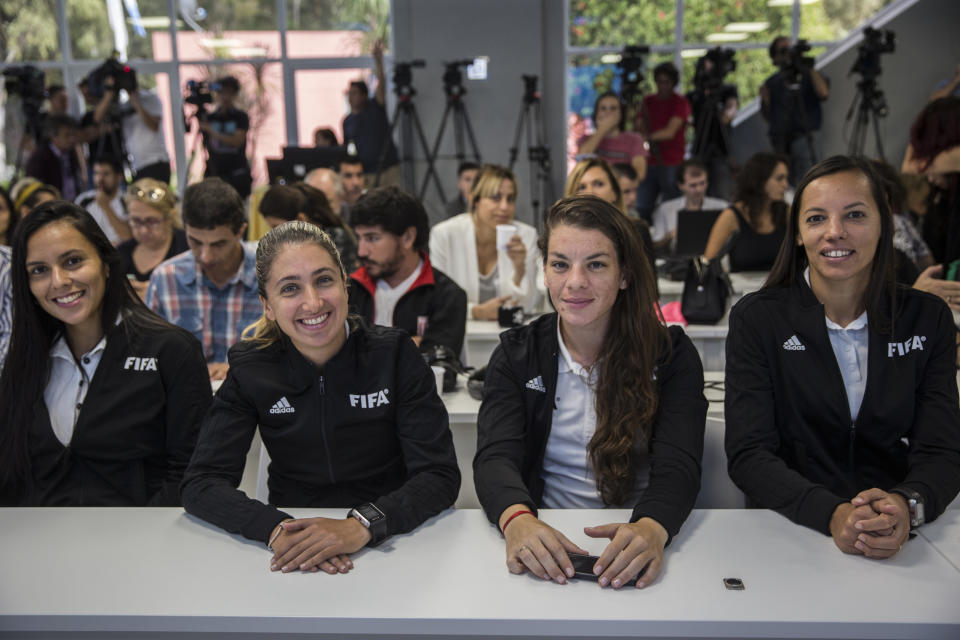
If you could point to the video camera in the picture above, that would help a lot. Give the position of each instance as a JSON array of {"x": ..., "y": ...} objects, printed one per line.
[
  {"x": 453, "y": 79},
  {"x": 403, "y": 77},
  {"x": 28, "y": 83},
  {"x": 631, "y": 70},
  {"x": 199, "y": 92},
  {"x": 124, "y": 77},
  {"x": 712, "y": 68},
  {"x": 875, "y": 42},
  {"x": 796, "y": 63}
]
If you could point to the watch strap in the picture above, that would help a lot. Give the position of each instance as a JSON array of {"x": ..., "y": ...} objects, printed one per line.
[
  {"x": 370, "y": 516},
  {"x": 914, "y": 504}
]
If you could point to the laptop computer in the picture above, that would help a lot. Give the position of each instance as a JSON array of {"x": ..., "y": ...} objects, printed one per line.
[{"x": 693, "y": 230}]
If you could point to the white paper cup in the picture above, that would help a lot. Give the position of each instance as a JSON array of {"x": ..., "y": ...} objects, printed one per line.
[
  {"x": 438, "y": 374},
  {"x": 504, "y": 233}
]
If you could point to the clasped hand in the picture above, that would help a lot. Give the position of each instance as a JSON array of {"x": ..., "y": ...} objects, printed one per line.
[
  {"x": 874, "y": 524},
  {"x": 535, "y": 546},
  {"x": 311, "y": 544}
]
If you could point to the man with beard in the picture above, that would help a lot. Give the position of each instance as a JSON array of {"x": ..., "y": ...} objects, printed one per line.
[{"x": 396, "y": 286}]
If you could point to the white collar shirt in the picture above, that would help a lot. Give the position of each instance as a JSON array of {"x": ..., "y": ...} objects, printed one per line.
[{"x": 68, "y": 385}]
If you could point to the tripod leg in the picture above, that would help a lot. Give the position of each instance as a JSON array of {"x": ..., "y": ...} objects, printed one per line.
[
  {"x": 521, "y": 119},
  {"x": 876, "y": 133},
  {"x": 431, "y": 170},
  {"x": 470, "y": 136},
  {"x": 426, "y": 152},
  {"x": 386, "y": 143}
]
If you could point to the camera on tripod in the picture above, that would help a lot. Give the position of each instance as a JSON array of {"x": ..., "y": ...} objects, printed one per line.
[
  {"x": 123, "y": 75},
  {"x": 403, "y": 77},
  {"x": 875, "y": 42},
  {"x": 27, "y": 82},
  {"x": 631, "y": 70},
  {"x": 453, "y": 79},
  {"x": 712, "y": 68}
]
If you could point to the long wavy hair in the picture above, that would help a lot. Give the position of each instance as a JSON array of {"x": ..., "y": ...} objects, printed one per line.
[
  {"x": 751, "y": 188},
  {"x": 27, "y": 367},
  {"x": 879, "y": 298},
  {"x": 265, "y": 331},
  {"x": 636, "y": 342},
  {"x": 936, "y": 129},
  {"x": 573, "y": 180}
]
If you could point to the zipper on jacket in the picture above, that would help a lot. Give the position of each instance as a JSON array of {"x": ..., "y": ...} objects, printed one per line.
[{"x": 323, "y": 431}]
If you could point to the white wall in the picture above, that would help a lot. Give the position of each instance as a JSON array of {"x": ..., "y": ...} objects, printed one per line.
[
  {"x": 928, "y": 50},
  {"x": 517, "y": 35}
]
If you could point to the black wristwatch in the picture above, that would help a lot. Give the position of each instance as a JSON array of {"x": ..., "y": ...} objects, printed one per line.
[
  {"x": 373, "y": 519},
  {"x": 914, "y": 503}
]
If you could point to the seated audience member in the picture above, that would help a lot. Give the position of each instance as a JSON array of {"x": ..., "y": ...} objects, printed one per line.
[
  {"x": 393, "y": 460},
  {"x": 100, "y": 400},
  {"x": 211, "y": 291},
  {"x": 154, "y": 223},
  {"x": 918, "y": 192},
  {"x": 466, "y": 174},
  {"x": 629, "y": 180},
  {"x": 947, "y": 87},
  {"x": 28, "y": 193},
  {"x": 328, "y": 181},
  {"x": 300, "y": 201},
  {"x": 609, "y": 141},
  {"x": 594, "y": 177},
  {"x": 324, "y": 137},
  {"x": 757, "y": 215},
  {"x": 693, "y": 183},
  {"x": 8, "y": 218},
  {"x": 841, "y": 396},
  {"x": 350, "y": 171},
  {"x": 911, "y": 254},
  {"x": 465, "y": 248},
  {"x": 616, "y": 413},
  {"x": 55, "y": 161},
  {"x": 396, "y": 286},
  {"x": 105, "y": 202}
]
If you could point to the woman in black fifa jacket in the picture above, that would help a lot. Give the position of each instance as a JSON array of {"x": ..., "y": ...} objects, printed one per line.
[
  {"x": 348, "y": 412},
  {"x": 596, "y": 405},
  {"x": 841, "y": 392},
  {"x": 100, "y": 399}
]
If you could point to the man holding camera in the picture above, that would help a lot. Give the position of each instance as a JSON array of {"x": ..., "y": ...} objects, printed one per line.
[
  {"x": 714, "y": 104},
  {"x": 140, "y": 116},
  {"x": 225, "y": 137},
  {"x": 790, "y": 101}
]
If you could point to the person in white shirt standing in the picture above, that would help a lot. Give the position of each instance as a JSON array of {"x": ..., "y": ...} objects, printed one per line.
[
  {"x": 692, "y": 182},
  {"x": 105, "y": 202}
]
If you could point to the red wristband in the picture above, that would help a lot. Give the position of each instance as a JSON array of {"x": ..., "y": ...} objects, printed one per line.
[{"x": 515, "y": 514}]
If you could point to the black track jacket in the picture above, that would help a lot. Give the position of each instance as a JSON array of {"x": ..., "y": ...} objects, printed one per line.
[
  {"x": 434, "y": 301},
  {"x": 135, "y": 433},
  {"x": 517, "y": 412},
  {"x": 791, "y": 443},
  {"x": 369, "y": 428}
]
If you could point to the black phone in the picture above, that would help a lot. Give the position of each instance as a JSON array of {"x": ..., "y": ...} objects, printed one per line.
[{"x": 583, "y": 568}]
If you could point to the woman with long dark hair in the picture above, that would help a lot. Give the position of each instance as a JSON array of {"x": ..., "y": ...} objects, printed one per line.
[
  {"x": 596, "y": 405},
  {"x": 757, "y": 215},
  {"x": 841, "y": 396},
  {"x": 348, "y": 412},
  {"x": 610, "y": 141},
  {"x": 100, "y": 399}
]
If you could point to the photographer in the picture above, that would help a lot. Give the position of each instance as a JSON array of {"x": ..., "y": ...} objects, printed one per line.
[
  {"x": 790, "y": 102},
  {"x": 714, "y": 105},
  {"x": 225, "y": 137},
  {"x": 140, "y": 120},
  {"x": 367, "y": 127}
]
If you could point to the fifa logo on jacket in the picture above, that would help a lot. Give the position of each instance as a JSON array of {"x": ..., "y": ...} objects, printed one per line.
[
  {"x": 140, "y": 364},
  {"x": 369, "y": 400},
  {"x": 903, "y": 348}
]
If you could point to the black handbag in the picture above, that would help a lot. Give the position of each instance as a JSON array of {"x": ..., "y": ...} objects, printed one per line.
[{"x": 706, "y": 290}]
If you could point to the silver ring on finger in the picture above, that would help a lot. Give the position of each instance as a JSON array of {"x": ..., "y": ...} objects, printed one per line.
[{"x": 522, "y": 549}]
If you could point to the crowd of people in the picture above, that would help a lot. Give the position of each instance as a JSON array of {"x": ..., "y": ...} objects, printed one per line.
[{"x": 121, "y": 304}]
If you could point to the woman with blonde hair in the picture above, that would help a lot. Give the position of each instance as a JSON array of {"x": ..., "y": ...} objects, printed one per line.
[
  {"x": 155, "y": 226},
  {"x": 465, "y": 247}
]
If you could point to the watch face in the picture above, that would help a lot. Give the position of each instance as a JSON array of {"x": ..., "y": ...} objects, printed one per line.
[{"x": 370, "y": 512}]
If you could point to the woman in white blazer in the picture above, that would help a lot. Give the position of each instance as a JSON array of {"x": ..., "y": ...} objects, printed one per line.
[{"x": 465, "y": 248}]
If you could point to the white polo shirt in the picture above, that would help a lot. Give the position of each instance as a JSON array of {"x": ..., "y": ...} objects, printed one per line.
[{"x": 386, "y": 298}]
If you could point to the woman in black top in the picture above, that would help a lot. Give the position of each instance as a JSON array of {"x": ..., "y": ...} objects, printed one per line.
[
  {"x": 100, "y": 399},
  {"x": 349, "y": 413},
  {"x": 757, "y": 216},
  {"x": 152, "y": 210},
  {"x": 596, "y": 405}
]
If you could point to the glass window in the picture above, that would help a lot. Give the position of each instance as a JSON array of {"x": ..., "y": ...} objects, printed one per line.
[
  {"x": 335, "y": 28},
  {"x": 322, "y": 100},
  {"x": 719, "y": 23},
  {"x": 598, "y": 23},
  {"x": 834, "y": 20},
  {"x": 29, "y": 35},
  {"x": 218, "y": 29},
  {"x": 95, "y": 32}
]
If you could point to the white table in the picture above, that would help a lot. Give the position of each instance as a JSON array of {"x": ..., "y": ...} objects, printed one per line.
[
  {"x": 481, "y": 338},
  {"x": 135, "y": 573},
  {"x": 944, "y": 534}
]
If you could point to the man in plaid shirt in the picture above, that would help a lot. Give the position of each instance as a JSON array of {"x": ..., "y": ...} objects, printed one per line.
[{"x": 211, "y": 290}]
